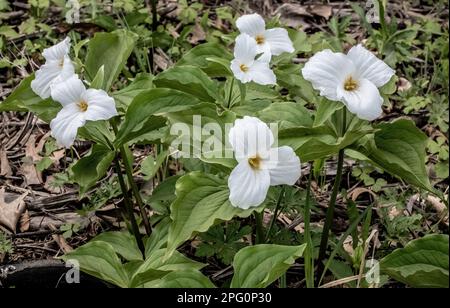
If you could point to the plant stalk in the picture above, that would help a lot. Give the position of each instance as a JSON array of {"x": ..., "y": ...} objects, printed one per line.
[
  {"x": 259, "y": 228},
  {"x": 275, "y": 213},
  {"x": 309, "y": 255}
]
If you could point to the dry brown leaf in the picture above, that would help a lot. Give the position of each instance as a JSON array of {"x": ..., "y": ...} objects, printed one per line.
[
  {"x": 324, "y": 11},
  {"x": 5, "y": 168},
  {"x": 440, "y": 208},
  {"x": 11, "y": 212},
  {"x": 57, "y": 155},
  {"x": 403, "y": 84},
  {"x": 28, "y": 168},
  {"x": 24, "y": 223},
  {"x": 358, "y": 191},
  {"x": 51, "y": 188}
]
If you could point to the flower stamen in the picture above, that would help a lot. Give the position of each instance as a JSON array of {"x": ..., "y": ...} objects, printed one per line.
[
  {"x": 243, "y": 68},
  {"x": 61, "y": 63},
  {"x": 255, "y": 162},
  {"x": 350, "y": 84},
  {"x": 83, "y": 105},
  {"x": 260, "y": 39}
]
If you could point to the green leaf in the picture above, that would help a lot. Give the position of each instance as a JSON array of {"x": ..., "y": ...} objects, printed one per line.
[
  {"x": 89, "y": 169},
  {"x": 202, "y": 201},
  {"x": 182, "y": 279},
  {"x": 110, "y": 50},
  {"x": 158, "y": 238},
  {"x": 97, "y": 82},
  {"x": 123, "y": 244},
  {"x": 399, "y": 148},
  {"x": 150, "y": 166},
  {"x": 100, "y": 260},
  {"x": 260, "y": 265},
  {"x": 198, "y": 56},
  {"x": 125, "y": 96},
  {"x": 325, "y": 110},
  {"x": 189, "y": 79},
  {"x": 422, "y": 263},
  {"x": 148, "y": 103},
  {"x": 286, "y": 114}
]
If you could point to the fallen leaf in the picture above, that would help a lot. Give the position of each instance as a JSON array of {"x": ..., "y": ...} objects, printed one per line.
[
  {"x": 198, "y": 34},
  {"x": 24, "y": 223},
  {"x": 28, "y": 168},
  {"x": 5, "y": 168},
  {"x": 403, "y": 84},
  {"x": 11, "y": 212},
  {"x": 324, "y": 11}
]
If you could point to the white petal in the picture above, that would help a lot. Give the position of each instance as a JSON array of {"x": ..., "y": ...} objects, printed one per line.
[
  {"x": 248, "y": 188},
  {"x": 100, "y": 105},
  {"x": 365, "y": 102},
  {"x": 64, "y": 127},
  {"x": 326, "y": 71},
  {"x": 245, "y": 49},
  {"x": 284, "y": 166},
  {"x": 44, "y": 78},
  {"x": 250, "y": 136},
  {"x": 238, "y": 73},
  {"x": 279, "y": 41},
  {"x": 368, "y": 66},
  {"x": 252, "y": 24},
  {"x": 69, "y": 91},
  {"x": 58, "y": 51},
  {"x": 261, "y": 73}
]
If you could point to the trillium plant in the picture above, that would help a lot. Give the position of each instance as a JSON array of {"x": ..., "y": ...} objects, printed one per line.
[{"x": 267, "y": 146}]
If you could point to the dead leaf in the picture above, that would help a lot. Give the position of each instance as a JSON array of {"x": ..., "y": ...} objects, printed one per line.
[
  {"x": 24, "y": 223},
  {"x": 52, "y": 188},
  {"x": 5, "y": 168},
  {"x": 403, "y": 84},
  {"x": 324, "y": 11},
  {"x": 28, "y": 168},
  {"x": 440, "y": 208},
  {"x": 293, "y": 15},
  {"x": 358, "y": 191},
  {"x": 11, "y": 212},
  {"x": 198, "y": 34},
  {"x": 57, "y": 155}
]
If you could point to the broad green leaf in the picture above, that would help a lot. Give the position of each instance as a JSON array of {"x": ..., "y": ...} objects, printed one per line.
[
  {"x": 312, "y": 143},
  {"x": 150, "y": 165},
  {"x": 158, "y": 238},
  {"x": 189, "y": 79},
  {"x": 123, "y": 244},
  {"x": 325, "y": 109},
  {"x": 138, "y": 279},
  {"x": 97, "y": 82},
  {"x": 110, "y": 50},
  {"x": 148, "y": 103},
  {"x": 89, "y": 169},
  {"x": 198, "y": 56},
  {"x": 422, "y": 263},
  {"x": 286, "y": 114},
  {"x": 260, "y": 265},
  {"x": 100, "y": 260},
  {"x": 181, "y": 279},
  {"x": 289, "y": 77},
  {"x": 399, "y": 148},
  {"x": 142, "y": 82},
  {"x": 202, "y": 200},
  {"x": 97, "y": 131}
]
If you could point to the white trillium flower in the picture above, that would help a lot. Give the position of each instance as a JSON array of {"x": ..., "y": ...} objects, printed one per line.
[
  {"x": 58, "y": 67},
  {"x": 353, "y": 79},
  {"x": 244, "y": 65},
  {"x": 259, "y": 165},
  {"x": 273, "y": 41},
  {"x": 79, "y": 105}
]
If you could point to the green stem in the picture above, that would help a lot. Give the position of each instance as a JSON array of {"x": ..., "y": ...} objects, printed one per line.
[
  {"x": 330, "y": 211},
  {"x": 283, "y": 283},
  {"x": 129, "y": 208},
  {"x": 275, "y": 213},
  {"x": 309, "y": 255},
  {"x": 259, "y": 228},
  {"x": 128, "y": 163},
  {"x": 230, "y": 92}
]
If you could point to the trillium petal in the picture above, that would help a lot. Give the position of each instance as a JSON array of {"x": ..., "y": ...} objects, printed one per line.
[
  {"x": 69, "y": 91},
  {"x": 100, "y": 105},
  {"x": 365, "y": 101},
  {"x": 368, "y": 66},
  {"x": 250, "y": 136},
  {"x": 261, "y": 73},
  {"x": 245, "y": 49},
  {"x": 252, "y": 24},
  {"x": 327, "y": 71},
  {"x": 65, "y": 126},
  {"x": 44, "y": 78},
  {"x": 279, "y": 41},
  {"x": 248, "y": 188},
  {"x": 58, "y": 51},
  {"x": 283, "y": 165},
  {"x": 242, "y": 76}
]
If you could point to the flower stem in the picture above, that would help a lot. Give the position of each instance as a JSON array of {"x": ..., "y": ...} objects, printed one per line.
[
  {"x": 259, "y": 228},
  {"x": 275, "y": 213},
  {"x": 129, "y": 208},
  {"x": 309, "y": 253},
  {"x": 128, "y": 163}
]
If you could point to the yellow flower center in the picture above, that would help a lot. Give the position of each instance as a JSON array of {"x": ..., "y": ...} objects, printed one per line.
[
  {"x": 255, "y": 162},
  {"x": 260, "y": 39},
  {"x": 350, "y": 84},
  {"x": 243, "y": 68},
  {"x": 83, "y": 106},
  {"x": 61, "y": 63}
]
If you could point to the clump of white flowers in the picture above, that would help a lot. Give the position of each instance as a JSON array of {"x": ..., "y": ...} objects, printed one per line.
[
  {"x": 254, "y": 48},
  {"x": 57, "y": 78},
  {"x": 352, "y": 79}
]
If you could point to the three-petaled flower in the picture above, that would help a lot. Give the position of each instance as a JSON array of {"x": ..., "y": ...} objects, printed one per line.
[
  {"x": 259, "y": 165},
  {"x": 272, "y": 41},
  {"x": 79, "y": 105},
  {"x": 353, "y": 79},
  {"x": 57, "y": 68}
]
